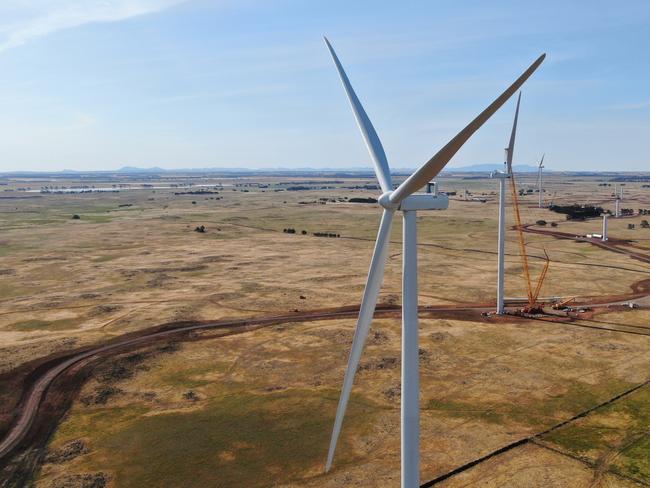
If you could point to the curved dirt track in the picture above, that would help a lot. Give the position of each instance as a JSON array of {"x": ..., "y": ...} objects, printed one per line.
[
  {"x": 36, "y": 388},
  {"x": 613, "y": 244}
]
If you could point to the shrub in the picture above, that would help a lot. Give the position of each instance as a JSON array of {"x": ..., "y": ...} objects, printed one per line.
[
  {"x": 76, "y": 217},
  {"x": 363, "y": 200},
  {"x": 577, "y": 212}
]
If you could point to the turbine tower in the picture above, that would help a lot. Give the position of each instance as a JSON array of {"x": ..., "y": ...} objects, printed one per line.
[
  {"x": 539, "y": 179},
  {"x": 619, "y": 200},
  {"x": 502, "y": 177},
  {"x": 408, "y": 202}
]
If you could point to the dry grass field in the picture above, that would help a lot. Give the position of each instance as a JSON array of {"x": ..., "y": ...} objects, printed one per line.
[{"x": 256, "y": 408}]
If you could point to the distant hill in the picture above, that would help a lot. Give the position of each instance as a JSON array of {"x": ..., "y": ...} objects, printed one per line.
[
  {"x": 477, "y": 168},
  {"x": 133, "y": 169}
]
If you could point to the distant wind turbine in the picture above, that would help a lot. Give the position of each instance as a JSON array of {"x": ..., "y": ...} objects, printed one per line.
[
  {"x": 408, "y": 202},
  {"x": 539, "y": 179}
]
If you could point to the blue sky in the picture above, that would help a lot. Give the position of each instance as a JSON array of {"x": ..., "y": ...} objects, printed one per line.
[{"x": 99, "y": 84}]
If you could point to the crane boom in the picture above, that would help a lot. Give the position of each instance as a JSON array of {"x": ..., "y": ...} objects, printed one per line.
[
  {"x": 521, "y": 239},
  {"x": 533, "y": 295},
  {"x": 540, "y": 281}
]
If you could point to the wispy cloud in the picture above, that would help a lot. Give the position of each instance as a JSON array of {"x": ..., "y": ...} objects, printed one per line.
[{"x": 26, "y": 20}]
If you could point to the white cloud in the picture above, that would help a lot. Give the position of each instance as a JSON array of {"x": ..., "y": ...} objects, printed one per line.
[{"x": 25, "y": 20}]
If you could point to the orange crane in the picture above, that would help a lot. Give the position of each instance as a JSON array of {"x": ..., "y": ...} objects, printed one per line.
[{"x": 533, "y": 295}]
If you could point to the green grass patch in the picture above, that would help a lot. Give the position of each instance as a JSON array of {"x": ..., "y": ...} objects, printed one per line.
[
  {"x": 45, "y": 325},
  {"x": 191, "y": 377},
  {"x": 635, "y": 460},
  {"x": 622, "y": 427},
  {"x": 103, "y": 259},
  {"x": 9, "y": 290},
  {"x": 573, "y": 399},
  {"x": 579, "y": 440},
  {"x": 237, "y": 439},
  {"x": 53, "y": 220},
  {"x": 95, "y": 218}
]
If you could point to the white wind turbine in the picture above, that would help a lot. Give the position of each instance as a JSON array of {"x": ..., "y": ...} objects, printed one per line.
[
  {"x": 539, "y": 179},
  {"x": 501, "y": 239},
  {"x": 408, "y": 202}
]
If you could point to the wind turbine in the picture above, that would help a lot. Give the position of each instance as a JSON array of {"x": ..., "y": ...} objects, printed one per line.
[
  {"x": 408, "y": 202},
  {"x": 539, "y": 179},
  {"x": 502, "y": 177}
]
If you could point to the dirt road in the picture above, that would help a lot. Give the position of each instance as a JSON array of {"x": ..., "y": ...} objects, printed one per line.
[{"x": 34, "y": 393}]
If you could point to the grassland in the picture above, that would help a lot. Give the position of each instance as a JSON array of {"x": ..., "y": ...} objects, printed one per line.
[{"x": 256, "y": 409}]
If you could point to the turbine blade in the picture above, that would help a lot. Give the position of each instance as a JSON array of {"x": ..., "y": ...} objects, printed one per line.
[
  {"x": 368, "y": 303},
  {"x": 431, "y": 168},
  {"x": 541, "y": 161},
  {"x": 513, "y": 134},
  {"x": 368, "y": 132}
]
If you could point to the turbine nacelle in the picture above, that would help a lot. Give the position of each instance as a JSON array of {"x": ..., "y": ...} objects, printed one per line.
[
  {"x": 425, "y": 201},
  {"x": 499, "y": 174},
  {"x": 415, "y": 201}
]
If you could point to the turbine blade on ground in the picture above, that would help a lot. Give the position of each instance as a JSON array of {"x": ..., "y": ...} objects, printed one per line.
[
  {"x": 377, "y": 153},
  {"x": 513, "y": 134},
  {"x": 368, "y": 303},
  {"x": 431, "y": 168}
]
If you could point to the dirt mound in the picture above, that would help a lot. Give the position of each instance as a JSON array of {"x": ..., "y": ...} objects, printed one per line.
[
  {"x": 642, "y": 286},
  {"x": 67, "y": 452},
  {"x": 88, "y": 480},
  {"x": 105, "y": 309},
  {"x": 379, "y": 364}
]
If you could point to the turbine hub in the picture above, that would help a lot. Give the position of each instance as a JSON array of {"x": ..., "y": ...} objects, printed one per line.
[{"x": 385, "y": 202}]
